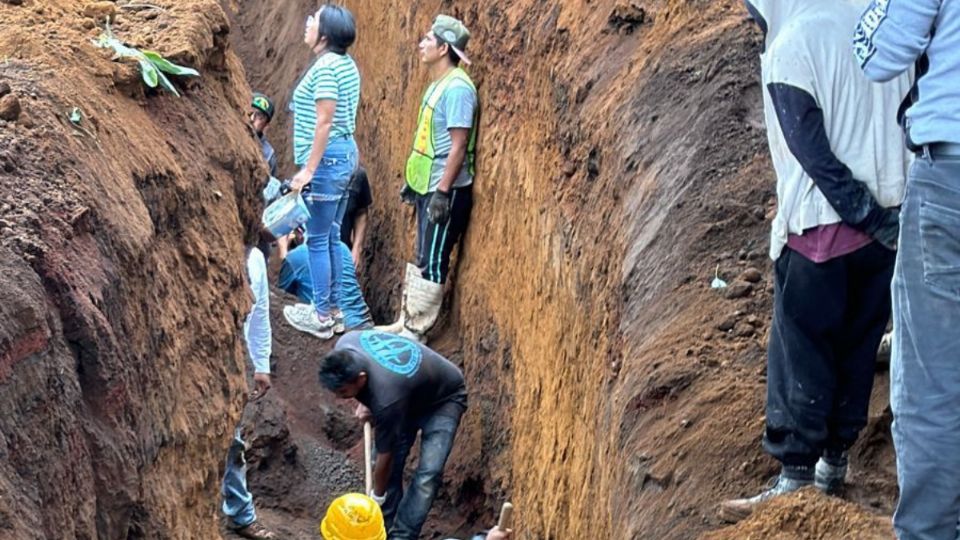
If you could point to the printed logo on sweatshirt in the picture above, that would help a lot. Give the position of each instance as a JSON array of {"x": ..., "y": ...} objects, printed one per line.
[
  {"x": 396, "y": 354},
  {"x": 863, "y": 45}
]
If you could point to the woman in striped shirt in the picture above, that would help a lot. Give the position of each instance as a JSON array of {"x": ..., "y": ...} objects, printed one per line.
[{"x": 324, "y": 107}]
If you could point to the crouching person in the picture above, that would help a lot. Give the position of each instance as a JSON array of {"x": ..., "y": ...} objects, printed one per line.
[{"x": 403, "y": 387}]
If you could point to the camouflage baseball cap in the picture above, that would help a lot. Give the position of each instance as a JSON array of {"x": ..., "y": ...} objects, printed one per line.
[{"x": 453, "y": 33}]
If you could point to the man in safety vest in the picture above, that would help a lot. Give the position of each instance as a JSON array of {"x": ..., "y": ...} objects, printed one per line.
[{"x": 439, "y": 173}]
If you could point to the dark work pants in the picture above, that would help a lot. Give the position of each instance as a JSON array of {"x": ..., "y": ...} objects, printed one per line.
[
  {"x": 405, "y": 511},
  {"x": 435, "y": 241},
  {"x": 827, "y": 323}
]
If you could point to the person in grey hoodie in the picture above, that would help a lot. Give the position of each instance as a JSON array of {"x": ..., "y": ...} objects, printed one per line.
[
  {"x": 841, "y": 170},
  {"x": 892, "y": 37}
]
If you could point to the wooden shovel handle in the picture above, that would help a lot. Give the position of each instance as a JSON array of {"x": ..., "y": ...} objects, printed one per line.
[
  {"x": 506, "y": 517},
  {"x": 367, "y": 450}
]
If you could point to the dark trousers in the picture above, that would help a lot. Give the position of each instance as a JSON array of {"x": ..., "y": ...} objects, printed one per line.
[
  {"x": 435, "y": 241},
  {"x": 405, "y": 511},
  {"x": 827, "y": 324}
]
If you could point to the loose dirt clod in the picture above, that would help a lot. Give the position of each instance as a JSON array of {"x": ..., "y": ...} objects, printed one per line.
[{"x": 9, "y": 107}]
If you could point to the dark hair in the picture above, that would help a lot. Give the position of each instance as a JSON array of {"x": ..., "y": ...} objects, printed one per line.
[
  {"x": 337, "y": 25},
  {"x": 451, "y": 54},
  {"x": 339, "y": 368}
]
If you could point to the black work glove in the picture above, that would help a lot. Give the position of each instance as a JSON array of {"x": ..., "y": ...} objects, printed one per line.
[
  {"x": 886, "y": 229},
  {"x": 408, "y": 195},
  {"x": 439, "y": 208}
]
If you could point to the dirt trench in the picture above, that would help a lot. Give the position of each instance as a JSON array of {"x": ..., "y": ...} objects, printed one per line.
[{"x": 622, "y": 162}]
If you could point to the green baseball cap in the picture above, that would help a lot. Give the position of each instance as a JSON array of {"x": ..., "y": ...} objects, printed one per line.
[
  {"x": 263, "y": 104},
  {"x": 453, "y": 33}
]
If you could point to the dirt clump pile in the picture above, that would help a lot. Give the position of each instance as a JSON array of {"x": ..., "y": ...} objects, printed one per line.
[
  {"x": 808, "y": 515},
  {"x": 123, "y": 284}
]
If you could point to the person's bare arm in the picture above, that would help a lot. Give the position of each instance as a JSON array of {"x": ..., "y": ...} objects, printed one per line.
[
  {"x": 458, "y": 153},
  {"x": 381, "y": 473},
  {"x": 359, "y": 235}
]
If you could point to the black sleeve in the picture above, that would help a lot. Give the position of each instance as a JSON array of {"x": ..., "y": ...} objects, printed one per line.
[
  {"x": 364, "y": 196},
  {"x": 801, "y": 121}
]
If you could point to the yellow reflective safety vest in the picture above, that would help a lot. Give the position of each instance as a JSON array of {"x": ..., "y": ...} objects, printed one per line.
[{"x": 420, "y": 162}]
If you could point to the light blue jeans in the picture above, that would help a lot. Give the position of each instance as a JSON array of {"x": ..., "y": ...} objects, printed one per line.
[
  {"x": 925, "y": 362},
  {"x": 327, "y": 202},
  {"x": 356, "y": 313},
  {"x": 237, "y": 499}
]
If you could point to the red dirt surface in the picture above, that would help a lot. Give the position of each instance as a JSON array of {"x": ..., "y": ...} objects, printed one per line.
[{"x": 122, "y": 283}]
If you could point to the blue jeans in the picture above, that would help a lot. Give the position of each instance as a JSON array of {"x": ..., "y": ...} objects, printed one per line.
[
  {"x": 237, "y": 500},
  {"x": 925, "y": 362},
  {"x": 327, "y": 202},
  {"x": 295, "y": 279},
  {"x": 356, "y": 314},
  {"x": 405, "y": 512}
]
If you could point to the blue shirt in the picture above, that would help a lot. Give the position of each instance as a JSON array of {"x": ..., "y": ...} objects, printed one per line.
[
  {"x": 892, "y": 36},
  {"x": 332, "y": 76},
  {"x": 455, "y": 109}
]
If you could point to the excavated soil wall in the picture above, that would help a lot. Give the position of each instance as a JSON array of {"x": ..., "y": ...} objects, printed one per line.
[
  {"x": 622, "y": 162},
  {"x": 121, "y": 245}
]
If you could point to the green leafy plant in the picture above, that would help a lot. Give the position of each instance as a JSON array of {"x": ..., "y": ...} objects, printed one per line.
[{"x": 152, "y": 65}]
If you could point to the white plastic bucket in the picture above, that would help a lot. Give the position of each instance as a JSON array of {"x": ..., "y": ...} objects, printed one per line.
[{"x": 284, "y": 215}]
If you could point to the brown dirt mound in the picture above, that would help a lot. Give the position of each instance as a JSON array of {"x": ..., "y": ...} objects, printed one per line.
[
  {"x": 120, "y": 359},
  {"x": 808, "y": 515}
]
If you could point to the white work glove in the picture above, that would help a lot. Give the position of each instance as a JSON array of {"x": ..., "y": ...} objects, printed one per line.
[{"x": 379, "y": 499}]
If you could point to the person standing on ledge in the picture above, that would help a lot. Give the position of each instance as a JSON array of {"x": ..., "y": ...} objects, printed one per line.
[{"x": 439, "y": 174}]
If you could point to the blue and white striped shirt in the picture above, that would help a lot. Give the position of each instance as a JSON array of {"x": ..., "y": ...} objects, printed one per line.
[{"x": 332, "y": 76}]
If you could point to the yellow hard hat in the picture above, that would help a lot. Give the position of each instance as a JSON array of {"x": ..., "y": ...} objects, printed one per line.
[{"x": 353, "y": 517}]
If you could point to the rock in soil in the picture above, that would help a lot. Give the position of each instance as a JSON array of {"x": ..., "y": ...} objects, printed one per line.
[
  {"x": 727, "y": 324},
  {"x": 751, "y": 275},
  {"x": 9, "y": 108},
  {"x": 100, "y": 10},
  {"x": 738, "y": 289}
]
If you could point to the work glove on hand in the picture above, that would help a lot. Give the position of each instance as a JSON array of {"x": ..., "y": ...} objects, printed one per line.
[
  {"x": 887, "y": 229},
  {"x": 379, "y": 499},
  {"x": 408, "y": 195},
  {"x": 439, "y": 208}
]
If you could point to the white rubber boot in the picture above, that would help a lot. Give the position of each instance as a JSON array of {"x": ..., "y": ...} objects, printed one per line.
[
  {"x": 397, "y": 327},
  {"x": 422, "y": 308}
]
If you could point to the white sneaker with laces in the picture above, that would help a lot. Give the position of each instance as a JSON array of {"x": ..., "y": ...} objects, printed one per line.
[{"x": 307, "y": 320}]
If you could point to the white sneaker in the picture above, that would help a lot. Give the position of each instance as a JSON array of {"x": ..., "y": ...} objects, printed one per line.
[
  {"x": 338, "y": 326},
  {"x": 307, "y": 320}
]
